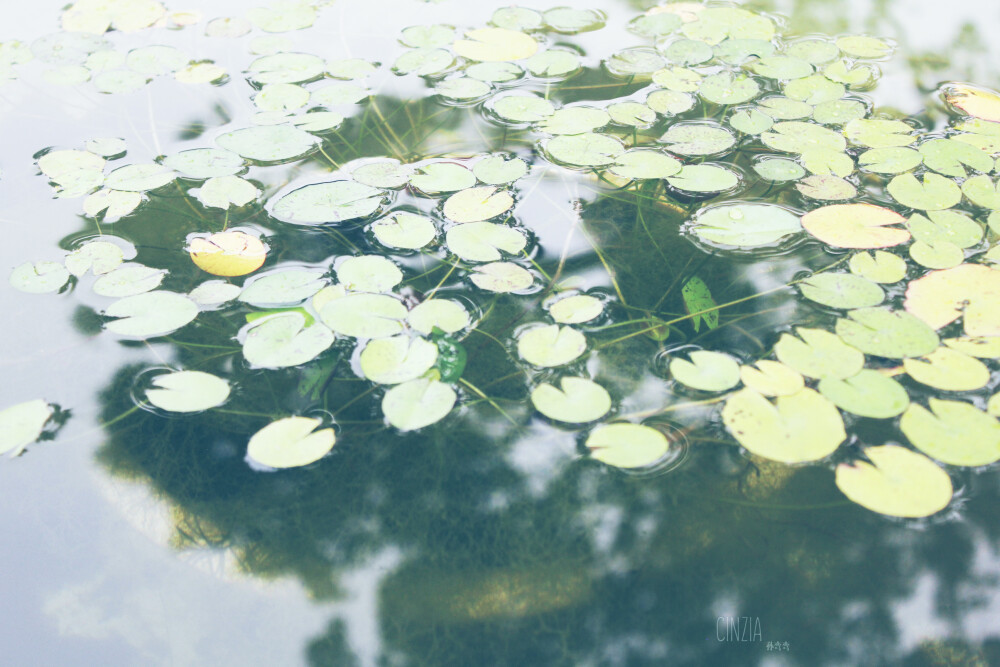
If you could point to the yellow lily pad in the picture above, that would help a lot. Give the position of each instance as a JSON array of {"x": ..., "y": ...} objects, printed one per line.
[{"x": 897, "y": 482}]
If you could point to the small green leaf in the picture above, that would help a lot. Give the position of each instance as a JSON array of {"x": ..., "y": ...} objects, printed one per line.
[
  {"x": 697, "y": 297},
  {"x": 40, "y": 277}
]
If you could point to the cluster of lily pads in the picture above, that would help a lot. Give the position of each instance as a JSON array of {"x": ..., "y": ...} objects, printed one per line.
[{"x": 912, "y": 206}]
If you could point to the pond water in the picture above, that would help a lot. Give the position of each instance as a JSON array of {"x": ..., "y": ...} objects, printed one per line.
[{"x": 612, "y": 191}]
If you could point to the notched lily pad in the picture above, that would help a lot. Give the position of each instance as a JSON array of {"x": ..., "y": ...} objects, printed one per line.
[
  {"x": 290, "y": 442},
  {"x": 707, "y": 371},
  {"x": 627, "y": 445},
  {"x": 897, "y": 482},
  {"x": 22, "y": 424},
  {"x": 187, "y": 391}
]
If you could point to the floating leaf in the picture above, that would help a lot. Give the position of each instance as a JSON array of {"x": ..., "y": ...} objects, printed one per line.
[
  {"x": 363, "y": 315},
  {"x": 813, "y": 50},
  {"x": 462, "y": 88},
  {"x": 842, "y": 290},
  {"x": 475, "y": 204},
  {"x": 866, "y": 394},
  {"x": 423, "y": 62},
  {"x": 225, "y": 191},
  {"x": 897, "y": 482},
  {"x": 886, "y": 333},
  {"x": 576, "y": 309},
  {"x": 427, "y": 36},
  {"x": 727, "y": 88},
  {"x": 214, "y": 292},
  {"x": 404, "y": 230},
  {"x": 495, "y": 72},
  {"x": 283, "y": 287},
  {"x": 286, "y": 68},
  {"x": 22, "y": 424},
  {"x": 523, "y": 108},
  {"x": 495, "y": 44},
  {"x": 950, "y": 157},
  {"x": 98, "y": 256},
  {"x": 150, "y": 314},
  {"x": 684, "y": 80},
  {"x": 704, "y": 178},
  {"x": 269, "y": 144},
  {"x": 139, "y": 177},
  {"x": 321, "y": 203},
  {"x": 707, "y": 371},
  {"x": 976, "y": 346},
  {"x": 751, "y": 121},
  {"x": 982, "y": 191},
  {"x": 819, "y": 354},
  {"x": 779, "y": 169},
  {"x": 893, "y": 160},
  {"x": 687, "y": 52},
  {"x": 771, "y": 378},
  {"x": 814, "y": 90},
  {"x": 40, "y": 277},
  {"x": 448, "y": 316},
  {"x": 781, "y": 67},
  {"x": 635, "y": 62},
  {"x": 338, "y": 94},
  {"x": 574, "y": 120},
  {"x": 498, "y": 170},
  {"x": 642, "y": 163},
  {"x": 697, "y": 139},
  {"x": 570, "y": 21},
  {"x": 823, "y": 162},
  {"x": 584, "y": 150},
  {"x": 442, "y": 177},
  {"x": 883, "y": 267},
  {"x": 483, "y": 241},
  {"x": 115, "y": 203},
  {"x": 352, "y": 68},
  {"x": 228, "y": 253},
  {"x": 502, "y": 277},
  {"x": 128, "y": 280},
  {"x": 397, "y": 359},
  {"x": 417, "y": 403},
  {"x": 745, "y": 225},
  {"x": 973, "y": 100},
  {"x": 826, "y": 187},
  {"x": 948, "y": 369},
  {"x": 879, "y": 133},
  {"x": 934, "y": 193},
  {"x": 839, "y": 112},
  {"x": 953, "y": 432},
  {"x": 283, "y": 340},
  {"x": 156, "y": 59},
  {"x": 551, "y": 345},
  {"x": 369, "y": 273},
  {"x": 119, "y": 82},
  {"x": 577, "y": 401},
  {"x": 795, "y": 136},
  {"x": 290, "y": 442},
  {"x": 627, "y": 445},
  {"x": 969, "y": 291},
  {"x": 800, "y": 427},
  {"x": 187, "y": 391},
  {"x": 281, "y": 97},
  {"x": 855, "y": 226}
]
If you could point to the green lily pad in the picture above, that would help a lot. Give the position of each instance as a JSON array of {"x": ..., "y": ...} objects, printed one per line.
[
  {"x": 635, "y": 62},
  {"x": 571, "y": 21},
  {"x": 188, "y": 391},
  {"x": 114, "y": 203},
  {"x": 463, "y": 88},
  {"x": 779, "y": 169},
  {"x": 771, "y": 378},
  {"x": 269, "y": 144},
  {"x": 397, "y": 359},
  {"x": 866, "y": 394},
  {"x": 897, "y": 482},
  {"x": 502, "y": 277},
  {"x": 686, "y": 52},
  {"x": 885, "y": 333},
  {"x": 842, "y": 290},
  {"x": 627, "y": 445},
  {"x": 697, "y": 139},
  {"x": 286, "y": 68},
  {"x": 338, "y": 94},
  {"x": 883, "y": 267},
  {"x": 477, "y": 204},
  {"x": 285, "y": 287},
  {"x": 799, "y": 427},
  {"x": 444, "y": 314},
  {"x": 350, "y": 69},
  {"x": 813, "y": 50},
  {"x": 795, "y": 136},
  {"x": 369, "y": 273},
  {"x": 879, "y": 133},
  {"x": 553, "y": 63},
  {"x": 727, "y": 88},
  {"x": 707, "y": 371},
  {"x": 982, "y": 191},
  {"x": 404, "y": 230},
  {"x": 576, "y": 309},
  {"x": 495, "y": 72},
  {"x": 704, "y": 178},
  {"x": 654, "y": 25},
  {"x": 551, "y": 345},
  {"x": 632, "y": 114},
  {"x": 318, "y": 121},
  {"x": 751, "y": 121},
  {"x": 283, "y": 340},
  {"x": 669, "y": 102},
  {"x": 202, "y": 163},
  {"x": 98, "y": 256},
  {"x": 736, "y": 51},
  {"x": 814, "y": 90},
  {"x": 859, "y": 77},
  {"x": 953, "y": 432},
  {"x": 783, "y": 108},
  {"x": 839, "y": 112},
  {"x": 214, "y": 292},
  {"x": 427, "y": 35},
  {"x": 826, "y": 187},
  {"x": 644, "y": 163},
  {"x": 781, "y": 67},
  {"x": 684, "y": 80},
  {"x": 969, "y": 291},
  {"x": 423, "y": 62},
  {"x": 948, "y": 369},
  {"x": 951, "y": 157},
  {"x": 150, "y": 314},
  {"x": 281, "y": 97},
  {"x": 584, "y": 150},
  {"x": 283, "y": 17},
  {"x": 129, "y": 280},
  {"x": 363, "y": 315},
  {"x": 499, "y": 170},
  {"x": 934, "y": 193},
  {"x": 856, "y": 226},
  {"x": 418, "y": 403},
  {"x": 863, "y": 46},
  {"x": 948, "y": 225},
  {"x": 438, "y": 177},
  {"x": 819, "y": 354},
  {"x": 226, "y": 191},
  {"x": 823, "y": 162},
  {"x": 40, "y": 277},
  {"x": 321, "y": 203},
  {"x": 483, "y": 241},
  {"x": 22, "y": 424},
  {"x": 290, "y": 442},
  {"x": 576, "y": 401},
  {"x": 139, "y": 177},
  {"x": 156, "y": 59},
  {"x": 893, "y": 160},
  {"x": 382, "y": 174},
  {"x": 745, "y": 225},
  {"x": 574, "y": 120}
]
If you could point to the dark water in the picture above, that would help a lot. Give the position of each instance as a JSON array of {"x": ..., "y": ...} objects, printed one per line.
[{"x": 135, "y": 537}]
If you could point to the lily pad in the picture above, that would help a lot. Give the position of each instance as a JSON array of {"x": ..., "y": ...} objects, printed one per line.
[
  {"x": 795, "y": 136},
  {"x": 975, "y": 346},
  {"x": 322, "y": 203},
  {"x": 551, "y": 345},
  {"x": 438, "y": 177},
  {"x": 150, "y": 314},
  {"x": 819, "y": 354},
  {"x": 423, "y": 62},
  {"x": 39, "y": 277},
  {"x": 187, "y": 391},
  {"x": 369, "y": 273},
  {"x": 969, "y": 291},
  {"x": 22, "y": 424},
  {"x": 574, "y": 120},
  {"x": 897, "y": 482},
  {"x": 879, "y": 133},
  {"x": 745, "y": 225},
  {"x": 799, "y": 427},
  {"x": 771, "y": 378},
  {"x": 948, "y": 369},
  {"x": 893, "y": 160},
  {"x": 856, "y": 226},
  {"x": 523, "y": 108},
  {"x": 826, "y": 187},
  {"x": 226, "y": 191},
  {"x": 139, "y": 177},
  {"x": 290, "y": 442},
  {"x": 982, "y": 191},
  {"x": 627, "y": 445},
  {"x": 951, "y": 157},
  {"x": 643, "y": 163},
  {"x": 866, "y": 394},
  {"x": 953, "y": 432},
  {"x": 448, "y": 316},
  {"x": 727, "y": 88},
  {"x": 476, "y": 204},
  {"x": 495, "y": 45},
  {"x": 418, "y": 403},
  {"x": 576, "y": 401},
  {"x": 973, "y": 100},
  {"x": 286, "y": 68},
  {"x": 584, "y": 150},
  {"x": 100, "y": 257},
  {"x": 842, "y": 290},
  {"x": 285, "y": 287},
  {"x": 483, "y": 241},
  {"x": 576, "y": 309},
  {"x": 363, "y": 315},
  {"x": 228, "y": 253},
  {"x": 707, "y": 371},
  {"x": 283, "y": 340},
  {"x": 886, "y": 333},
  {"x": 933, "y": 194},
  {"x": 114, "y": 203},
  {"x": 404, "y": 230},
  {"x": 214, "y": 292},
  {"x": 779, "y": 169},
  {"x": 882, "y": 267},
  {"x": 397, "y": 359},
  {"x": 498, "y": 170},
  {"x": 697, "y": 139},
  {"x": 129, "y": 280},
  {"x": 704, "y": 178},
  {"x": 502, "y": 277}
]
